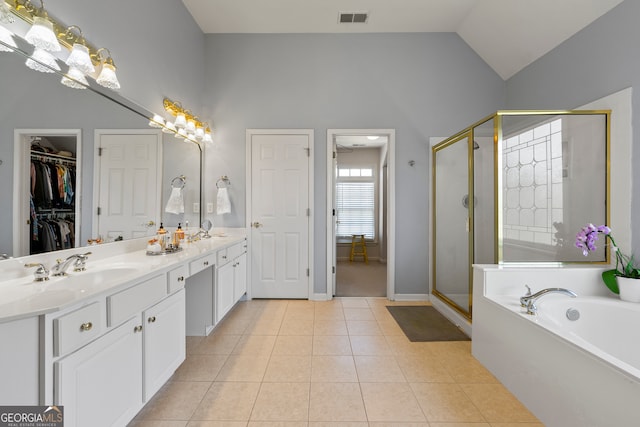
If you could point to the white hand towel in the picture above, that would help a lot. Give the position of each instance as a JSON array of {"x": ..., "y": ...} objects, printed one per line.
[
  {"x": 175, "y": 205},
  {"x": 223, "y": 204}
]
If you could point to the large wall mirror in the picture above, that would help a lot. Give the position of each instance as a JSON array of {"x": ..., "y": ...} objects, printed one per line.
[{"x": 36, "y": 109}]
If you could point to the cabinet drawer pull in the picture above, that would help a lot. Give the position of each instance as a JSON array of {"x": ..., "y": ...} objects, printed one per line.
[
  {"x": 137, "y": 328},
  {"x": 151, "y": 319},
  {"x": 206, "y": 263},
  {"x": 181, "y": 279},
  {"x": 86, "y": 326},
  {"x": 224, "y": 257}
]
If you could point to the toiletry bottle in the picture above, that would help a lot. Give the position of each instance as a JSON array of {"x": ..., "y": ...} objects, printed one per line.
[
  {"x": 178, "y": 236},
  {"x": 162, "y": 233}
]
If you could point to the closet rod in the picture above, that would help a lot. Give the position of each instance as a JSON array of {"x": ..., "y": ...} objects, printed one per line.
[{"x": 48, "y": 157}]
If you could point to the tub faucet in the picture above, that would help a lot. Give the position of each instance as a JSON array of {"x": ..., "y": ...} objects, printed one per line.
[
  {"x": 78, "y": 260},
  {"x": 529, "y": 301}
]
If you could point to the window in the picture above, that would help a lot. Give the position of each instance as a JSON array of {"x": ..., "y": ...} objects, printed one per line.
[{"x": 356, "y": 202}]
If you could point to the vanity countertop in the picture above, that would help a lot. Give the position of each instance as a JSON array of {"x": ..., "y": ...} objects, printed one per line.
[{"x": 110, "y": 267}]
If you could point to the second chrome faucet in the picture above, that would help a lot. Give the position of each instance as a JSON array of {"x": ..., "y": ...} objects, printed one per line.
[
  {"x": 78, "y": 260},
  {"x": 529, "y": 300}
]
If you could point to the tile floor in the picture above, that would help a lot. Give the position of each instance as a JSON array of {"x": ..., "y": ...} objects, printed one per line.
[{"x": 337, "y": 363}]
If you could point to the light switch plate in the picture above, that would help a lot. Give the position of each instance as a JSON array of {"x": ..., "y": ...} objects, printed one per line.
[
  {"x": 209, "y": 207},
  {"x": 196, "y": 207}
]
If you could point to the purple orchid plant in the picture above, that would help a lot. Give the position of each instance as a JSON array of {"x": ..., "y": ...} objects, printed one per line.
[{"x": 625, "y": 265}]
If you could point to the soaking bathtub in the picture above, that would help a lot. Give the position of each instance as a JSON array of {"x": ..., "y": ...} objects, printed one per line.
[{"x": 582, "y": 372}]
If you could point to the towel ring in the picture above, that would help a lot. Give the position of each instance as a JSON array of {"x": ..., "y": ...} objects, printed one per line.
[
  {"x": 179, "y": 180},
  {"x": 224, "y": 180}
]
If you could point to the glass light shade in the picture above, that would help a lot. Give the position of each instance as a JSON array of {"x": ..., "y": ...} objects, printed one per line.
[
  {"x": 75, "y": 79},
  {"x": 169, "y": 127},
  {"x": 207, "y": 137},
  {"x": 42, "y": 61},
  {"x": 191, "y": 127},
  {"x": 6, "y": 37},
  {"x": 199, "y": 133},
  {"x": 181, "y": 121},
  {"x": 41, "y": 35},
  {"x": 80, "y": 59},
  {"x": 156, "y": 122},
  {"x": 181, "y": 133},
  {"x": 107, "y": 77}
]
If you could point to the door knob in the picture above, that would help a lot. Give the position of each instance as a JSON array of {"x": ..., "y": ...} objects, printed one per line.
[
  {"x": 256, "y": 224},
  {"x": 149, "y": 224}
]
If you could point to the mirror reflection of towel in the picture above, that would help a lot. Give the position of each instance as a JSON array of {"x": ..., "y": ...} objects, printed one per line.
[
  {"x": 175, "y": 205},
  {"x": 223, "y": 204}
]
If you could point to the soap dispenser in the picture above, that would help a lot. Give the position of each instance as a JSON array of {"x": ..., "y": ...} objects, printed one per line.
[
  {"x": 178, "y": 236},
  {"x": 162, "y": 235}
]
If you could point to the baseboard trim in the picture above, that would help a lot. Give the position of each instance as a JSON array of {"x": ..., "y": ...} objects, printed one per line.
[
  {"x": 319, "y": 297},
  {"x": 412, "y": 297}
]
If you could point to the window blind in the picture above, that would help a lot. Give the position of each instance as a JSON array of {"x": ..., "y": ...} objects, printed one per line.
[{"x": 355, "y": 205}]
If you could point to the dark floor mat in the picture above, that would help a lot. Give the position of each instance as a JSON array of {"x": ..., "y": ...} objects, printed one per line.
[{"x": 422, "y": 323}]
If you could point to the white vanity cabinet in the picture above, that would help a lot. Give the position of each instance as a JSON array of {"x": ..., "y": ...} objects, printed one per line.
[
  {"x": 103, "y": 375},
  {"x": 231, "y": 277},
  {"x": 101, "y": 384},
  {"x": 164, "y": 341}
]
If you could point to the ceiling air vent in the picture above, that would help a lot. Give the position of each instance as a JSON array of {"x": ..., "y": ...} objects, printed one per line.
[{"x": 353, "y": 17}]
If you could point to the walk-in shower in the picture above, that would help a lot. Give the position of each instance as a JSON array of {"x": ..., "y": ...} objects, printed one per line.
[{"x": 535, "y": 178}]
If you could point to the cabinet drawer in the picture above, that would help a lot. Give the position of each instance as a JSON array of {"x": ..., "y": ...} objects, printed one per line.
[
  {"x": 176, "y": 278},
  {"x": 223, "y": 257},
  {"x": 236, "y": 250},
  {"x": 201, "y": 263},
  {"x": 75, "y": 329},
  {"x": 124, "y": 304}
]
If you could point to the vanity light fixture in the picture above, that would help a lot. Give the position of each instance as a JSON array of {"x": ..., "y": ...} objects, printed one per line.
[
  {"x": 79, "y": 57},
  {"x": 186, "y": 125},
  {"x": 107, "y": 76},
  {"x": 169, "y": 127},
  {"x": 75, "y": 79},
  {"x": 43, "y": 61},
  {"x": 41, "y": 34},
  {"x": 157, "y": 122}
]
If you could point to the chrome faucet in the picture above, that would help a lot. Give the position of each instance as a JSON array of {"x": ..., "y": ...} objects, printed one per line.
[
  {"x": 79, "y": 262},
  {"x": 529, "y": 301},
  {"x": 41, "y": 274}
]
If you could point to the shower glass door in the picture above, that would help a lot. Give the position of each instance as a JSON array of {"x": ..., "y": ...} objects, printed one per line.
[{"x": 451, "y": 222}]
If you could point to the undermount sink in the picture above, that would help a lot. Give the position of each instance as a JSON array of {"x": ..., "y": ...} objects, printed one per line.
[{"x": 100, "y": 274}]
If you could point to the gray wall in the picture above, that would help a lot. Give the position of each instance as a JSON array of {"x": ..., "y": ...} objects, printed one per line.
[
  {"x": 598, "y": 61},
  {"x": 421, "y": 85}
]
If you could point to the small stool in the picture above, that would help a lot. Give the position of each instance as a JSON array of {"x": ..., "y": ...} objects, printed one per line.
[{"x": 361, "y": 246}]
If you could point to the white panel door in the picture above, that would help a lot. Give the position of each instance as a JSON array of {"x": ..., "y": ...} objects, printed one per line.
[
  {"x": 280, "y": 165},
  {"x": 129, "y": 190}
]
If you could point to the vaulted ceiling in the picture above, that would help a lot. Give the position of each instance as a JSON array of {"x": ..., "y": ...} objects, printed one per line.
[{"x": 507, "y": 34}]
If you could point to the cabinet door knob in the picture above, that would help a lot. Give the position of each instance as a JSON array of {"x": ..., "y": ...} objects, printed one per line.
[
  {"x": 206, "y": 263},
  {"x": 86, "y": 326},
  {"x": 181, "y": 279},
  {"x": 151, "y": 319},
  {"x": 224, "y": 257},
  {"x": 137, "y": 328}
]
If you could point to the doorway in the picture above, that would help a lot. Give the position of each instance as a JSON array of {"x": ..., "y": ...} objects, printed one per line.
[
  {"x": 47, "y": 180},
  {"x": 360, "y": 237}
]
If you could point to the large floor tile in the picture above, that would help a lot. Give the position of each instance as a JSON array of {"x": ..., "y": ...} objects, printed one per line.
[
  {"x": 176, "y": 400},
  {"x": 255, "y": 345},
  {"x": 446, "y": 403},
  {"x": 497, "y": 404},
  {"x": 282, "y": 402},
  {"x": 243, "y": 368},
  {"x": 363, "y": 327},
  {"x": 217, "y": 343},
  {"x": 228, "y": 401},
  {"x": 288, "y": 369},
  {"x": 391, "y": 402},
  {"x": 333, "y": 369},
  {"x": 378, "y": 369},
  {"x": 200, "y": 367},
  {"x": 339, "y": 345},
  {"x": 370, "y": 345},
  {"x": 330, "y": 327},
  {"x": 293, "y": 345},
  {"x": 336, "y": 402}
]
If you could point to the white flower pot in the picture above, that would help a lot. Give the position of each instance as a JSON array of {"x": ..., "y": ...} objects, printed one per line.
[{"x": 629, "y": 288}]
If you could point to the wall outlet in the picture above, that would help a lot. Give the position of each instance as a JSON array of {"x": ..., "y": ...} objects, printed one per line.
[
  {"x": 196, "y": 207},
  {"x": 210, "y": 207}
]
